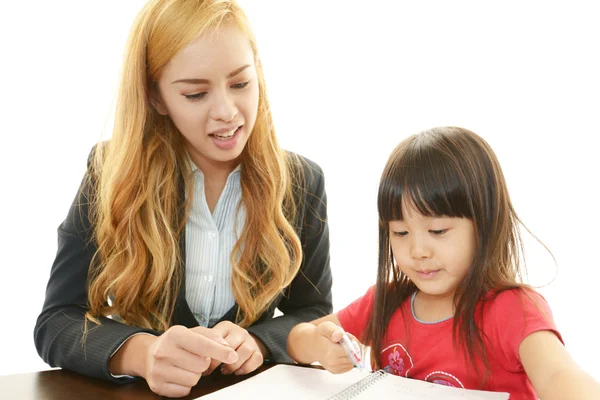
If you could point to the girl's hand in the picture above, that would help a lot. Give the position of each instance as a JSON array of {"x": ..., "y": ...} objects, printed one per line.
[
  {"x": 319, "y": 341},
  {"x": 330, "y": 353}
]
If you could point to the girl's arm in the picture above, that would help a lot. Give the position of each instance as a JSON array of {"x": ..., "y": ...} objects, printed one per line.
[{"x": 552, "y": 371}]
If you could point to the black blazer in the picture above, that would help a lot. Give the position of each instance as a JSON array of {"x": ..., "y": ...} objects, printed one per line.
[{"x": 59, "y": 327}]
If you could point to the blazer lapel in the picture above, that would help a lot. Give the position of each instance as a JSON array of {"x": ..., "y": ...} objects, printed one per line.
[{"x": 182, "y": 315}]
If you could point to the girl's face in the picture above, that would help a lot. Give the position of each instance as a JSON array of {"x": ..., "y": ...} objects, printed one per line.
[
  {"x": 434, "y": 252},
  {"x": 210, "y": 92}
]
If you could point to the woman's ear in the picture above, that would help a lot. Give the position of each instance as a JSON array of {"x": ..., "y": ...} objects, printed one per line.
[{"x": 157, "y": 102}]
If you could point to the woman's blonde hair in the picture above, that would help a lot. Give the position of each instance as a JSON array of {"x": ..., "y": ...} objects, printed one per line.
[{"x": 139, "y": 206}]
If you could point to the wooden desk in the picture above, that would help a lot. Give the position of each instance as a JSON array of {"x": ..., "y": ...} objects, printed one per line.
[{"x": 66, "y": 385}]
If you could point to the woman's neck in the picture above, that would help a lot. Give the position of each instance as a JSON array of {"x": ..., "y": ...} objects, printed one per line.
[
  {"x": 215, "y": 175},
  {"x": 216, "y": 170}
]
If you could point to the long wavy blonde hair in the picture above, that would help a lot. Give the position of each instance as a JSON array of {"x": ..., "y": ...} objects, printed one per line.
[{"x": 139, "y": 206}]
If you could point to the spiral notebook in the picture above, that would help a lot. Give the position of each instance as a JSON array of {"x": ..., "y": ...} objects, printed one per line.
[{"x": 293, "y": 382}]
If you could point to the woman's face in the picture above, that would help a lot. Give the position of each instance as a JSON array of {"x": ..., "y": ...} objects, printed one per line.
[{"x": 210, "y": 92}]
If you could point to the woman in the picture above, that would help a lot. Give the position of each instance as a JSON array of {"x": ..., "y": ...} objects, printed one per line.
[{"x": 191, "y": 225}]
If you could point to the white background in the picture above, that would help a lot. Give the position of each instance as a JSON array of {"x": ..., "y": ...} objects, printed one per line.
[{"x": 347, "y": 82}]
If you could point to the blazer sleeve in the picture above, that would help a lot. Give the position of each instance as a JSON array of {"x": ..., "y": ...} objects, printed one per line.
[
  {"x": 59, "y": 329},
  {"x": 309, "y": 295}
]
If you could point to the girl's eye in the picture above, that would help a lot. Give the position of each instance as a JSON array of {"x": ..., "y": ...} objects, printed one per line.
[
  {"x": 195, "y": 96},
  {"x": 240, "y": 85},
  {"x": 400, "y": 234},
  {"x": 438, "y": 232}
]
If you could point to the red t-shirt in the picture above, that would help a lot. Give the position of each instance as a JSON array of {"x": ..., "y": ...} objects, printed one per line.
[{"x": 426, "y": 351}]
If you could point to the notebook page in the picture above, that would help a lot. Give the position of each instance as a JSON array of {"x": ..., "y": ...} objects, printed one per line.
[
  {"x": 289, "y": 382},
  {"x": 397, "y": 387}
]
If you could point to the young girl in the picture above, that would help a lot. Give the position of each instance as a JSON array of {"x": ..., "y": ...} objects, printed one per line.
[
  {"x": 191, "y": 225},
  {"x": 448, "y": 306}
]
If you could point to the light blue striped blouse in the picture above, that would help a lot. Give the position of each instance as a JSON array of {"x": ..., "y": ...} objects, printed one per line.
[{"x": 209, "y": 240}]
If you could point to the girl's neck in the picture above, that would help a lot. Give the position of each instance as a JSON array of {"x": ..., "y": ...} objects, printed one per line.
[{"x": 433, "y": 308}]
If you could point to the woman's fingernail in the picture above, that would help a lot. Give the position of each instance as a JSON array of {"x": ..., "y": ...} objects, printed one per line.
[
  {"x": 239, "y": 372},
  {"x": 232, "y": 357}
]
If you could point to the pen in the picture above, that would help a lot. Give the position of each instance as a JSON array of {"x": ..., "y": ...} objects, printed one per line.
[{"x": 352, "y": 352}]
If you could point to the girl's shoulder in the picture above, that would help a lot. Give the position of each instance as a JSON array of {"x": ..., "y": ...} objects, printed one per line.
[
  {"x": 509, "y": 316},
  {"x": 517, "y": 312},
  {"x": 522, "y": 297}
]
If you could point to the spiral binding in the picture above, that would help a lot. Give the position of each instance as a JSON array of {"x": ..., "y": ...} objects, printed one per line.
[{"x": 360, "y": 386}]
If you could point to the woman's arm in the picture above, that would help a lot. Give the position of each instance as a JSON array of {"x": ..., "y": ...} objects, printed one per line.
[
  {"x": 309, "y": 295},
  {"x": 59, "y": 329},
  {"x": 552, "y": 371}
]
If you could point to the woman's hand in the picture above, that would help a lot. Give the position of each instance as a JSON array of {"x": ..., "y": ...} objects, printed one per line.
[
  {"x": 249, "y": 349},
  {"x": 174, "y": 362}
]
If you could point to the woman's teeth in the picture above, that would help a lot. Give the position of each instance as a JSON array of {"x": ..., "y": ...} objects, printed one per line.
[{"x": 226, "y": 135}]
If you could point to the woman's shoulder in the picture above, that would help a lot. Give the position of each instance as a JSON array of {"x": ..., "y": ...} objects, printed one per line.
[
  {"x": 300, "y": 161},
  {"x": 306, "y": 172}
]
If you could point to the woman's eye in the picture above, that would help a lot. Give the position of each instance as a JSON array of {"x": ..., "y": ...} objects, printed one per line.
[
  {"x": 195, "y": 96},
  {"x": 400, "y": 234},
  {"x": 240, "y": 85}
]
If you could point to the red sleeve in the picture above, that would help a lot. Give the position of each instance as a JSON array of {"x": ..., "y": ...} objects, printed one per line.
[
  {"x": 517, "y": 314},
  {"x": 354, "y": 317}
]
